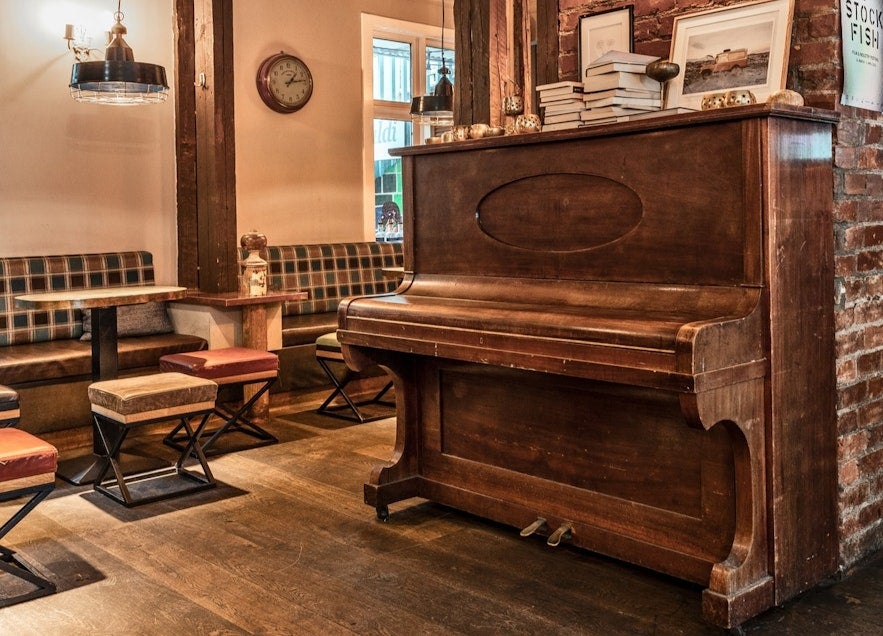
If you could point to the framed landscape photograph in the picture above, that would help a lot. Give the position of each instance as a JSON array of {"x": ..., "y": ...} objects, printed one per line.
[
  {"x": 740, "y": 46},
  {"x": 606, "y": 31}
]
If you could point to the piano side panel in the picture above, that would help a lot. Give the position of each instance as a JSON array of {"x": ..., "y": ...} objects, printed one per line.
[
  {"x": 610, "y": 208},
  {"x": 802, "y": 434}
]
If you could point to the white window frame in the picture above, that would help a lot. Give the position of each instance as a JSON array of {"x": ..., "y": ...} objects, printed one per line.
[{"x": 418, "y": 36}]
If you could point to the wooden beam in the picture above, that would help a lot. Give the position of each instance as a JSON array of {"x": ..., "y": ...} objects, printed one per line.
[
  {"x": 547, "y": 42},
  {"x": 472, "y": 88},
  {"x": 206, "y": 159},
  {"x": 185, "y": 145}
]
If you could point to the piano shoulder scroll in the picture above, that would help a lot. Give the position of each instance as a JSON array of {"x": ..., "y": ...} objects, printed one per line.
[{"x": 624, "y": 331}]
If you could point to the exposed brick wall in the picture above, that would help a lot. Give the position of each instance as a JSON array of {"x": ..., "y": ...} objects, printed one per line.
[{"x": 815, "y": 71}]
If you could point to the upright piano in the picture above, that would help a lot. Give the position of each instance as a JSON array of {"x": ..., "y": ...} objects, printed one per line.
[{"x": 622, "y": 337}]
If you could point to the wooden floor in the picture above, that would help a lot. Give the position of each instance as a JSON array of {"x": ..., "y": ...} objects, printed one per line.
[{"x": 285, "y": 546}]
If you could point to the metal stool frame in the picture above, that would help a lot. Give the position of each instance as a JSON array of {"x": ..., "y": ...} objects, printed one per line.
[
  {"x": 350, "y": 409},
  {"x": 112, "y": 445},
  {"x": 9, "y": 563},
  {"x": 234, "y": 421}
]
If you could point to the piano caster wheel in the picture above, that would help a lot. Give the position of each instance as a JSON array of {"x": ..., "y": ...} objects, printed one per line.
[{"x": 382, "y": 513}]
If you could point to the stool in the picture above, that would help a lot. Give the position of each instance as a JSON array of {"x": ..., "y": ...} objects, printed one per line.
[
  {"x": 328, "y": 352},
  {"x": 232, "y": 366},
  {"x": 9, "y": 409},
  {"x": 118, "y": 406},
  {"x": 27, "y": 469}
]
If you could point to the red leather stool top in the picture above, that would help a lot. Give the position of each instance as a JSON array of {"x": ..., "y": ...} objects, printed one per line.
[
  {"x": 217, "y": 364},
  {"x": 23, "y": 455}
]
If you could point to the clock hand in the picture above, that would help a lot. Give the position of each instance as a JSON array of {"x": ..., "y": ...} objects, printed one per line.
[{"x": 293, "y": 80}]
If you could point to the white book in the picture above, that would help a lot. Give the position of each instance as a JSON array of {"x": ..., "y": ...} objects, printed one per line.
[
  {"x": 619, "y": 61},
  {"x": 631, "y": 81},
  {"x": 567, "y": 125},
  {"x": 557, "y": 92},
  {"x": 661, "y": 113},
  {"x": 557, "y": 119},
  {"x": 609, "y": 111},
  {"x": 570, "y": 107},
  {"x": 556, "y": 85},
  {"x": 637, "y": 102},
  {"x": 622, "y": 92}
]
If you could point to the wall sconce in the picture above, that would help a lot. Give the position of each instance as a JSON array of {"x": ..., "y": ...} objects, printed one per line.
[
  {"x": 78, "y": 41},
  {"x": 119, "y": 80}
]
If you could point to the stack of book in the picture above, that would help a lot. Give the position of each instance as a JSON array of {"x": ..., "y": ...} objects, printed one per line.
[
  {"x": 562, "y": 103},
  {"x": 616, "y": 87}
]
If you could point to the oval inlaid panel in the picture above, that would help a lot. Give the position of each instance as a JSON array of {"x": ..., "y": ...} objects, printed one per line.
[{"x": 561, "y": 212}]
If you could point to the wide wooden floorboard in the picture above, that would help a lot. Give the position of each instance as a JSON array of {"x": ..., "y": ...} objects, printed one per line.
[{"x": 285, "y": 545}]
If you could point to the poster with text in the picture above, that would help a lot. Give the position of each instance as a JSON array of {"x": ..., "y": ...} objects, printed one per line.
[{"x": 862, "y": 25}]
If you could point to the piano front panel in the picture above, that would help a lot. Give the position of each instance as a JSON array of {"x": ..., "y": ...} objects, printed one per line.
[{"x": 612, "y": 209}]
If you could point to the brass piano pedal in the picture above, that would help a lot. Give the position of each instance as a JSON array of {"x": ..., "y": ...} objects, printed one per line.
[
  {"x": 536, "y": 525},
  {"x": 563, "y": 533}
]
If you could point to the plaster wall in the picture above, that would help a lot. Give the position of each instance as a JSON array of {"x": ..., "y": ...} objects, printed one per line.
[
  {"x": 79, "y": 178},
  {"x": 299, "y": 176}
]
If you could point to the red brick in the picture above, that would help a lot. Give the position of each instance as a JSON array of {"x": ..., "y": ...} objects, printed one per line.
[
  {"x": 824, "y": 25},
  {"x": 852, "y": 395},
  {"x": 852, "y": 497},
  {"x": 844, "y": 319},
  {"x": 875, "y": 433},
  {"x": 810, "y": 7},
  {"x": 872, "y": 235},
  {"x": 815, "y": 52},
  {"x": 852, "y": 446},
  {"x": 871, "y": 514},
  {"x": 869, "y": 261},
  {"x": 874, "y": 134},
  {"x": 846, "y": 157},
  {"x": 850, "y": 343},
  {"x": 869, "y": 211},
  {"x": 845, "y": 210},
  {"x": 848, "y": 473},
  {"x": 844, "y": 265},
  {"x": 847, "y": 421},
  {"x": 869, "y": 363},
  {"x": 855, "y": 183},
  {"x": 875, "y": 387},
  {"x": 850, "y": 133},
  {"x": 846, "y": 372}
]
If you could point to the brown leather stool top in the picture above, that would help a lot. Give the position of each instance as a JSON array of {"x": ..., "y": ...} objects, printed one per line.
[{"x": 9, "y": 411}]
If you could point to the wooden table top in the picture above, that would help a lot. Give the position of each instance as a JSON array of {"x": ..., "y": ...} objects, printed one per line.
[
  {"x": 235, "y": 299},
  {"x": 99, "y": 297}
]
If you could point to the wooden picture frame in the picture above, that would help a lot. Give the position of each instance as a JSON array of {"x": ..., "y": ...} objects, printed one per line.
[
  {"x": 742, "y": 46},
  {"x": 599, "y": 33}
]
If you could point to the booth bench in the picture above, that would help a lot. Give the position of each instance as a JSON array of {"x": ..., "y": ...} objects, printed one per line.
[
  {"x": 328, "y": 272},
  {"x": 42, "y": 355}
]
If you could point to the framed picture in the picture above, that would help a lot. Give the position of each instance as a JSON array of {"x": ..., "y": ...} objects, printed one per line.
[
  {"x": 606, "y": 31},
  {"x": 740, "y": 46}
]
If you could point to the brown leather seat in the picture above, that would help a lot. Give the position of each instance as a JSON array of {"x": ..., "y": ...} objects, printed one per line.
[{"x": 27, "y": 470}]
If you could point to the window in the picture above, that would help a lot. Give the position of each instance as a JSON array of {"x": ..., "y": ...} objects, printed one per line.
[{"x": 399, "y": 60}]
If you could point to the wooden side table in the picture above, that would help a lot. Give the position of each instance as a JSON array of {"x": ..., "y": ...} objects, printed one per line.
[{"x": 257, "y": 317}]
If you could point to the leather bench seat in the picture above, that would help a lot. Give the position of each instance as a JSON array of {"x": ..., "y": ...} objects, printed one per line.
[
  {"x": 61, "y": 359},
  {"x": 301, "y": 329},
  {"x": 8, "y": 402}
]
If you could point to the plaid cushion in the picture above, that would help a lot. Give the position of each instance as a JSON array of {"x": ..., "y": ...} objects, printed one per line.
[
  {"x": 25, "y": 275},
  {"x": 330, "y": 272}
]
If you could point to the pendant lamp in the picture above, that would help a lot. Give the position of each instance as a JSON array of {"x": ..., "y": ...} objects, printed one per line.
[
  {"x": 119, "y": 80},
  {"x": 436, "y": 109}
]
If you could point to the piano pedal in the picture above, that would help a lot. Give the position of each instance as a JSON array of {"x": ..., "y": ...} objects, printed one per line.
[
  {"x": 563, "y": 533},
  {"x": 536, "y": 525}
]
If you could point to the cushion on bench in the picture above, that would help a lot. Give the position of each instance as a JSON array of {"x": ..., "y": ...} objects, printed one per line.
[
  {"x": 61, "y": 359},
  {"x": 26, "y": 275},
  {"x": 23, "y": 455}
]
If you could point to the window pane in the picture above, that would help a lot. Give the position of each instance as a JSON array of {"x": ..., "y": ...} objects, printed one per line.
[
  {"x": 434, "y": 62},
  {"x": 388, "y": 133},
  {"x": 392, "y": 70}
]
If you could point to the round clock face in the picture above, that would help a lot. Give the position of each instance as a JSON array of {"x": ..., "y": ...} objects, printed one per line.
[{"x": 284, "y": 83}]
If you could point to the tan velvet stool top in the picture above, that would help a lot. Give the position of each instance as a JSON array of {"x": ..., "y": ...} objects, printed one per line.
[
  {"x": 25, "y": 458},
  {"x": 226, "y": 366}
]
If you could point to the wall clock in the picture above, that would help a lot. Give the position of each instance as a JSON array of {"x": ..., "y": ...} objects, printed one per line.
[{"x": 285, "y": 83}]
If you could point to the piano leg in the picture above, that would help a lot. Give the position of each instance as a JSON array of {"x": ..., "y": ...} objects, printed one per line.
[
  {"x": 741, "y": 585},
  {"x": 400, "y": 478}
]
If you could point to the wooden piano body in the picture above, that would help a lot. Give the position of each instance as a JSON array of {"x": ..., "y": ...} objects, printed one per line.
[{"x": 626, "y": 331}]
